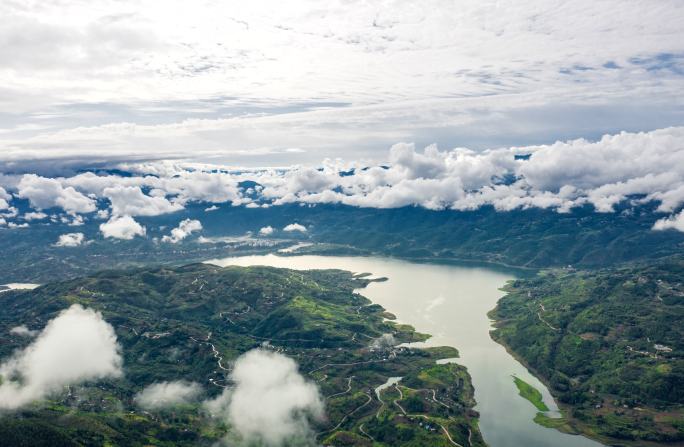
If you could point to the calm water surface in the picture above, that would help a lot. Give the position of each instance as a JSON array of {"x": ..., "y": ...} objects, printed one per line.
[{"x": 451, "y": 303}]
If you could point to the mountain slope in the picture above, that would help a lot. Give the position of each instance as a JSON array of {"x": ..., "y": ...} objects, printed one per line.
[
  {"x": 190, "y": 323},
  {"x": 610, "y": 343}
]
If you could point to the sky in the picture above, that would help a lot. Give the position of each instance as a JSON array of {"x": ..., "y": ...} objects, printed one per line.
[{"x": 294, "y": 82}]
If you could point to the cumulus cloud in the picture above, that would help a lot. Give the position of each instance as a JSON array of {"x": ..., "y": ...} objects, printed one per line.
[
  {"x": 615, "y": 169},
  {"x": 675, "y": 222},
  {"x": 45, "y": 192},
  {"x": 5, "y": 198},
  {"x": 70, "y": 240},
  {"x": 271, "y": 402},
  {"x": 604, "y": 173},
  {"x": 167, "y": 394},
  {"x": 74, "y": 347},
  {"x": 35, "y": 216},
  {"x": 184, "y": 229},
  {"x": 266, "y": 231},
  {"x": 131, "y": 201},
  {"x": 295, "y": 227},
  {"x": 122, "y": 227}
]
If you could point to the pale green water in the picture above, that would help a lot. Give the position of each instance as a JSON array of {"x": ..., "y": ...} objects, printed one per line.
[{"x": 451, "y": 303}]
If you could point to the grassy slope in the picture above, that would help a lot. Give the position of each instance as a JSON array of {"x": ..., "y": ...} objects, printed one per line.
[
  {"x": 162, "y": 317},
  {"x": 591, "y": 336}
]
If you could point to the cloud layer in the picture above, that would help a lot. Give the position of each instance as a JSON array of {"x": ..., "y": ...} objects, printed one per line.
[
  {"x": 76, "y": 346},
  {"x": 615, "y": 169},
  {"x": 271, "y": 401}
]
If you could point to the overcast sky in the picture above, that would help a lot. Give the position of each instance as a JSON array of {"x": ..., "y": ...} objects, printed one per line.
[{"x": 276, "y": 83}]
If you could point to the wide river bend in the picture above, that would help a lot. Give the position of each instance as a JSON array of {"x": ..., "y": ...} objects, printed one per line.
[{"x": 451, "y": 302}]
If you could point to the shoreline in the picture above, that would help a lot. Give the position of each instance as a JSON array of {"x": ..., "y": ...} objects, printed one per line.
[
  {"x": 578, "y": 428},
  {"x": 465, "y": 262}
]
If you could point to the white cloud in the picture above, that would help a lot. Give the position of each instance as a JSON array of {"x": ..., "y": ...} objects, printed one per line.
[
  {"x": 184, "y": 229},
  {"x": 76, "y": 221},
  {"x": 10, "y": 212},
  {"x": 131, "y": 201},
  {"x": 271, "y": 401},
  {"x": 295, "y": 227},
  {"x": 266, "y": 231},
  {"x": 76, "y": 346},
  {"x": 675, "y": 222},
  {"x": 23, "y": 331},
  {"x": 35, "y": 216},
  {"x": 122, "y": 227},
  {"x": 648, "y": 166},
  {"x": 167, "y": 394},
  {"x": 16, "y": 225},
  {"x": 4, "y": 195},
  {"x": 70, "y": 240},
  {"x": 47, "y": 193},
  {"x": 211, "y": 208}
]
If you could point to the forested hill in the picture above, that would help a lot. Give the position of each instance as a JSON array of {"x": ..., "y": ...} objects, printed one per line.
[
  {"x": 191, "y": 323},
  {"x": 609, "y": 342}
]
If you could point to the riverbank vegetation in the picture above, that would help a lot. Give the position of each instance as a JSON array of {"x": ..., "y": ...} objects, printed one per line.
[
  {"x": 191, "y": 322},
  {"x": 610, "y": 344}
]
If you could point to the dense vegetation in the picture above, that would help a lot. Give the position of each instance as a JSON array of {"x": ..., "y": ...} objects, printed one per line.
[
  {"x": 610, "y": 343},
  {"x": 168, "y": 322},
  {"x": 526, "y": 238}
]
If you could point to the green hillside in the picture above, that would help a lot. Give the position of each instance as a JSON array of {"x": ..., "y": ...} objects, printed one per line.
[
  {"x": 610, "y": 343},
  {"x": 169, "y": 321}
]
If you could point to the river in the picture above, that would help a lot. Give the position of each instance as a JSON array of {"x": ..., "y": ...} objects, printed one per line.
[{"x": 451, "y": 302}]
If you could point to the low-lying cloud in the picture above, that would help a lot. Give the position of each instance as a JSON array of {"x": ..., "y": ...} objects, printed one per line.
[
  {"x": 70, "y": 240},
  {"x": 675, "y": 222},
  {"x": 385, "y": 341},
  {"x": 184, "y": 229},
  {"x": 74, "y": 347},
  {"x": 271, "y": 403},
  {"x": 266, "y": 231},
  {"x": 45, "y": 193},
  {"x": 295, "y": 227},
  {"x": 168, "y": 394},
  {"x": 627, "y": 167},
  {"x": 23, "y": 331},
  {"x": 122, "y": 227},
  {"x": 131, "y": 201}
]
